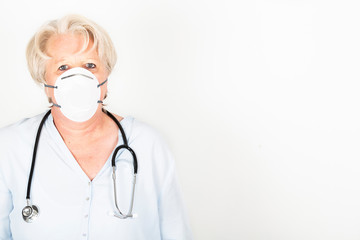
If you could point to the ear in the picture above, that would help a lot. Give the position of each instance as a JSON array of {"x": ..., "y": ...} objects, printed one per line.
[
  {"x": 46, "y": 90},
  {"x": 49, "y": 91}
]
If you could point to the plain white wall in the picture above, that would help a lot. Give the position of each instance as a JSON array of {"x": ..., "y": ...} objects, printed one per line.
[{"x": 259, "y": 101}]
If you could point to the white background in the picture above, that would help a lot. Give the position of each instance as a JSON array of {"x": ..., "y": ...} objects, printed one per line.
[{"x": 259, "y": 101}]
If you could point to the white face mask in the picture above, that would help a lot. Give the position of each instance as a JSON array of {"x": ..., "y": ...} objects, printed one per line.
[{"x": 77, "y": 94}]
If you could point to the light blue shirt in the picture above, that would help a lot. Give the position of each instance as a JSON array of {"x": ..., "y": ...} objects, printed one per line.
[{"x": 72, "y": 206}]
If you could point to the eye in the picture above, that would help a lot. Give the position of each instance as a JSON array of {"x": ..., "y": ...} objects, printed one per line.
[
  {"x": 63, "y": 67},
  {"x": 90, "y": 65}
]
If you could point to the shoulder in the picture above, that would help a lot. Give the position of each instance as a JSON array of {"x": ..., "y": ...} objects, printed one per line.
[
  {"x": 20, "y": 131},
  {"x": 147, "y": 140},
  {"x": 16, "y": 144},
  {"x": 150, "y": 146},
  {"x": 139, "y": 131}
]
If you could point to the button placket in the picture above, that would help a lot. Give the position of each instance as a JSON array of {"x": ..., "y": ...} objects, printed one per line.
[{"x": 86, "y": 211}]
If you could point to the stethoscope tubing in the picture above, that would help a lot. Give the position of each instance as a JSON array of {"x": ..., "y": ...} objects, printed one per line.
[
  {"x": 34, "y": 154},
  {"x": 123, "y": 146}
]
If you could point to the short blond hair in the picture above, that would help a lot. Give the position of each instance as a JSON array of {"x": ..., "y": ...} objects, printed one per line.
[{"x": 36, "y": 50}]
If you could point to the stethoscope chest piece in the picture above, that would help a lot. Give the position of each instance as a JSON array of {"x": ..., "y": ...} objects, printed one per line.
[{"x": 30, "y": 213}]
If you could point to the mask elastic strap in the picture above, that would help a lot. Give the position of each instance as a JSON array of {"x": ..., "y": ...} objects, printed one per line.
[
  {"x": 102, "y": 83},
  {"x": 100, "y": 86},
  {"x": 56, "y": 105},
  {"x": 50, "y": 86}
]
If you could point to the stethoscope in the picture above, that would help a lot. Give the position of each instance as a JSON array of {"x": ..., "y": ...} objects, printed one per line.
[{"x": 31, "y": 212}]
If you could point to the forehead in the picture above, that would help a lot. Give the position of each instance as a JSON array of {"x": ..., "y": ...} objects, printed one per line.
[{"x": 68, "y": 45}]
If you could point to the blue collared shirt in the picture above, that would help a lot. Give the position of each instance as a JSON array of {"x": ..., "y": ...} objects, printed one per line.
[{"x": 71, "y": 206}]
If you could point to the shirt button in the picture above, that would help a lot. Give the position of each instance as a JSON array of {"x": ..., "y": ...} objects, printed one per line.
[
  {"x": 84, "y": 234},
  {"x": 87, "y": 199},
  {"x": 86, "y": 216}
]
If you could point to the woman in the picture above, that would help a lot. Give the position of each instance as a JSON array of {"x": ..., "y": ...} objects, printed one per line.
[{"x": 73, "y": 191}]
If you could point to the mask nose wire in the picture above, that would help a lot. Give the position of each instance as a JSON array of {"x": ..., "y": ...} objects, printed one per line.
[{"x": 51, "y": 86}]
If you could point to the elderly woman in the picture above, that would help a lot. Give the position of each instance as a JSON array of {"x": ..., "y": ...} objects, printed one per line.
[{"x": 78, "y": 171}]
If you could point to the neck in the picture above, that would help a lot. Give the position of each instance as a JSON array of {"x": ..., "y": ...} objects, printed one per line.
[{"x": 78, "y": 130}]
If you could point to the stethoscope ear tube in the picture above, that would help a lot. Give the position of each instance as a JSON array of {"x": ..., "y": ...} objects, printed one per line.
[{"x": 119, "y": 214}]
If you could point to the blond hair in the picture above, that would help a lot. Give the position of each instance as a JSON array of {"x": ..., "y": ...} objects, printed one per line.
[{"x": 70, "y": 24}]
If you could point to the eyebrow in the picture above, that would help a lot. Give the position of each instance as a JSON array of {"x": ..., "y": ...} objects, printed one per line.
[
  {"x": 60, "y": 60},
  {"x": 85, "y": 60}
]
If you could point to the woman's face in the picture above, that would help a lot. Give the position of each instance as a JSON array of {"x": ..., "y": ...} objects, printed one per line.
[{"x": 65, "y": 54}]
